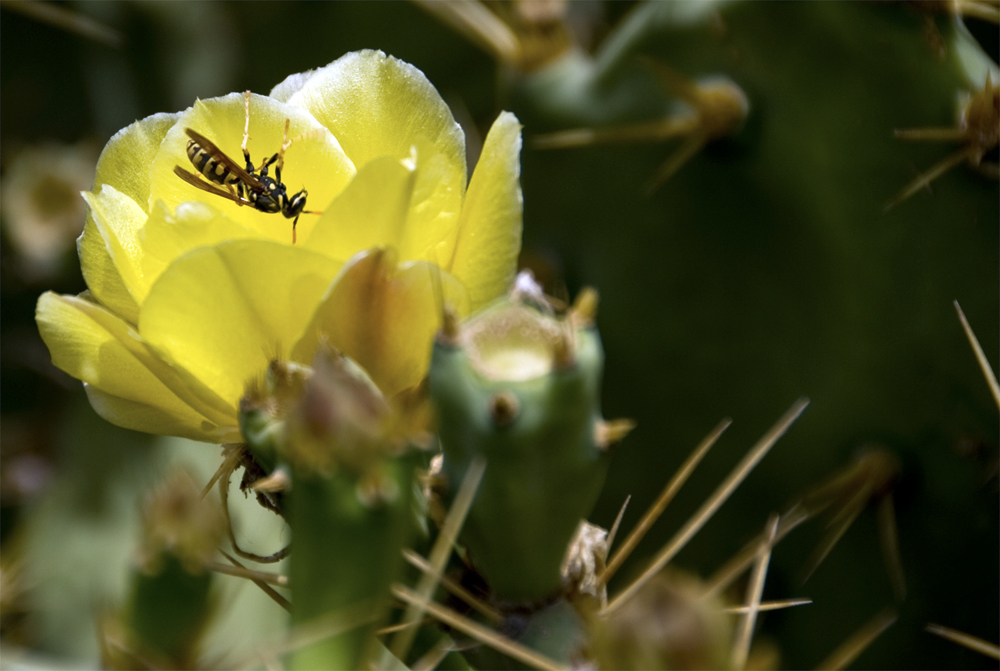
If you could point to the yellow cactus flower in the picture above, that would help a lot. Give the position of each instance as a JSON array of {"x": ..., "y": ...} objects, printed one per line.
[{"x": 191, "y": 294}]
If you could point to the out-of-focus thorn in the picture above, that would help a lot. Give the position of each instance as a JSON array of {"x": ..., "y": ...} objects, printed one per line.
[
  {"x": 612, "y": 432},
  {"x": 965, "y": 640},
  {"x": 474, "y": 21},
  {"x": 56, "y": 15},
  {"x": 978, "y": 128},
  {"x": 859, "y": 641},
  {"x": 984, "y": 363}
]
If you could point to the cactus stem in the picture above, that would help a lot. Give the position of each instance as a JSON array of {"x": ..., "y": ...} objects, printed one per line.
[
  {"x": 984, "y": 363},
  {"x": 765, "y": 606},
  {"x": 612, "y": 432},
  {"x": 456, "y": 589},
  {"x": 667, "y": 495},
  {"x": 439, "y": 553},
  {"x": 859, "y": 641},
  {"x": 965, "y": 640},
  {"x": 712, "y": 504},
  {"x": 484, "y": 635},
  {"x": 755, "y": 588}
]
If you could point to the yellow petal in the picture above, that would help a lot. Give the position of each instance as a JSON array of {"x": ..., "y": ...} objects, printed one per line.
[
  {"x": 138, "y": 416},
  {"x": 125, "y": 161},
  {"x": 167, "y": 235},
  {"x": 95, "y": 346},
  {"x": 370, "y": 212},
  {"x": 383, "y": 316},
  {"x": 133, "y": 146},
  {"x": 118, "y": 219},
  {"x": 102, "y": 277},
  {"x": 315, "y": 162},
  {"x": 432, "y": 222},
  {"x": 225, "y": 312},
  {"x": 489, "y": 233},
  {"x": 378, "y": 106}
]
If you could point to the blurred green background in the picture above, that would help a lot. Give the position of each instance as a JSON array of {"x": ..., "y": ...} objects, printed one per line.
[{"x": 764, "y": 270}]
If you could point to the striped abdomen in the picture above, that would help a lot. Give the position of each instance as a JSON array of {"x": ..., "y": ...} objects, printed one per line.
[{"x": 209, "y": 166}]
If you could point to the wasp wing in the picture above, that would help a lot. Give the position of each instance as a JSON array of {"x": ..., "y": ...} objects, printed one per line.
[
  {"x": 199, "y": 183},
  {"x": 221, "y": 157}
]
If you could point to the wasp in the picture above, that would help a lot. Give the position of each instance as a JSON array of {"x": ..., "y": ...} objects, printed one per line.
[{"x": 244, "y": 186}]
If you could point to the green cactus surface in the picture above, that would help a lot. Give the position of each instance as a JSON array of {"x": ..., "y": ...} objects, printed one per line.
[{"x": 535, "y": 425}]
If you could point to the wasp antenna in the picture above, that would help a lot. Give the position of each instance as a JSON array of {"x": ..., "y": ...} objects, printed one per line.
[
  {"x": 285, "y": 144},
  {"x": 246, "y": 120}
]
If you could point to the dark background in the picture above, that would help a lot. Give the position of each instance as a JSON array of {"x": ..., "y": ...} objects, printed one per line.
[{"x": 764, "y": 271}]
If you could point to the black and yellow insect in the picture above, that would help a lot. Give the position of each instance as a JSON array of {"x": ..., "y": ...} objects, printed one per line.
[{"x": 244, "y": 186}]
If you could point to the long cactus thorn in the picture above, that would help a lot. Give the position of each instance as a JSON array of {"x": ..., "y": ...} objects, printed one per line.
[
  {"x": 456, "y": 589},
  {"x": 755, "y": 589},
  {"x": 984, "y": 364},
  {"x": 965, "y": 640},
  {"x": 766, "y": 606},
  {"x": 239, "y": 571},
  {"x": 608, "y": 433},
  {"x": 859, "y": 641},
  {"x": 504, "y": 408},
  {"x": 666, "y": 496},
  {"x": 712, "y": 504},
  {"x": 440, "y": 552},
  {"x": 739, "y": 562},
  {"x": 613, "y": 533},
  {"x": 477, "y": 631},
  {"x": 889, "y": 538},
  {"x": 869, "y": 478}
]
